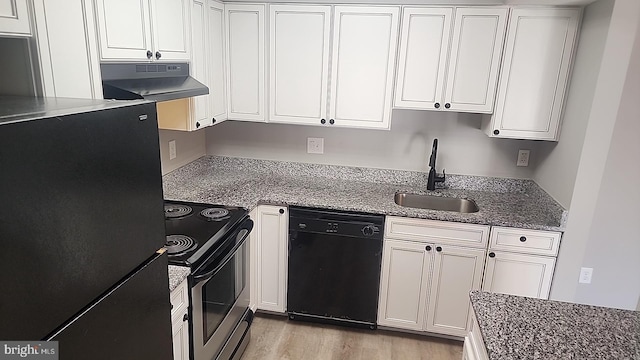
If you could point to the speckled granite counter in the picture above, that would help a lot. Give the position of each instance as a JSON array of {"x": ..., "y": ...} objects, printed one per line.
[
  {"x": 177, "y": 274},
  {"x": 516, "y": 327},
  {"x": 246, "y": 182}
]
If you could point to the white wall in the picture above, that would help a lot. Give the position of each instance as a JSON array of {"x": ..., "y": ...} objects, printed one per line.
[
  {"x": 613, "y": 246},
  {"x": 602, "y": 228},
  {"x": 558, "y": 162},
  {"x": 463, "y": 147},
  {"x": 189, "y": 146}
]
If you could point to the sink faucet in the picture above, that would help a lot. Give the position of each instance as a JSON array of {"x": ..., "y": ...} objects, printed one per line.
[{"x": 433, "y": 176}]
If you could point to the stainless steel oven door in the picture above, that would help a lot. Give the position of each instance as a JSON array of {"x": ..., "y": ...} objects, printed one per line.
[{"x": 220, "y": 298}]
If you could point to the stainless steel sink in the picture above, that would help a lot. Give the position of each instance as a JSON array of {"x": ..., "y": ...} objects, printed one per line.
[{"x": 436, "y": 203}]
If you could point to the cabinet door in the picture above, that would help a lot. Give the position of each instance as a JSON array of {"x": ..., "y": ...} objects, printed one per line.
[
  {"x": 14, "y": 18},
  {"x": 216, "y": 50},
  {"x": 456, "y": 272},
  {"x": 364, "y": 53},
  {"x": 124, "y": 28},
  {"x": 271, "y": 253},
  {"x": 516, "y": 274},
  {"x": 170, "y": 19},
  {"x": 68, "y": 49},
  {"x": 474, "y": 60},
  {"x": 535, "y": 73},
  {"x": 199, "y": 66},
  {"x": 180, "y": 337},
  {"x": 424, "y": 43},
  {"x": 245, "y": 56},
  {"x": 406, "y": 269},
  {"x": 299, "y": 63}
]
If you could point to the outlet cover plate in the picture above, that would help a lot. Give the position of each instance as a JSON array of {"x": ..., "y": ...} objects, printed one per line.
[
  {"x": 523, "y": 158},
  {"x": 173, "y": 153},
  {"x": 315, "y": 145},
  {"x": 585, "y": 275}
]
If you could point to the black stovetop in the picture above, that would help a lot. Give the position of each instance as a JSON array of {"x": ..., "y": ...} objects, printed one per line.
[{"x": 195, "y": 230}]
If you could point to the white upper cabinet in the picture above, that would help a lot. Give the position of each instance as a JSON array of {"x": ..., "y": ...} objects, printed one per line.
[
  {"x": 478, "y": 36},
  {"x": 246, "y": 59},
  {"x": 535, "y": 72},
  {"x": 143, "y": 29},
  {"x": 424, "y": 43},
  {"x": 449, "y": 58},
  {"x": 199, "y": 66},
  {"x": 217, "y": 63},
  {"x": 14, "y": 18},
  {"x": 364, "y": 53},
  {"x": 67, "y": 49},
  {"x": 170, "y": 25},
  {"x": 299, "y": 63}
]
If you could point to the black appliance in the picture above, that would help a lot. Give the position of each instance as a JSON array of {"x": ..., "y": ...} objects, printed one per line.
[
  {"x": 212, "y": 241},
  {"x": 150, "y": 81},
  {"x": 81, "y": 225},
  {"x": 334, "y": 266}
]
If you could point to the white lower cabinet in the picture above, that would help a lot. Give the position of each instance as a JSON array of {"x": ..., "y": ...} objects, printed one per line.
[
  {"x": 474, "y": 348},
  {"x": 180, "y": 334},
  {"x": 403, "y": 295},
  {"x": 180, "y": 321},
  {"x": 426, "y": 280},
  {"x": 456, "y": 272},
  {"x": 521, "y": 262},
  {"x": 269, "y": 255}
]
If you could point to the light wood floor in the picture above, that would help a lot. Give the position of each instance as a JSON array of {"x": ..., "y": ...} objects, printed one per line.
[{"x": 276, "y": 337}]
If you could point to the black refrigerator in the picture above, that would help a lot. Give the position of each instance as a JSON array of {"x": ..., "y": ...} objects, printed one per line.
[{"x": 82, "y": 228}]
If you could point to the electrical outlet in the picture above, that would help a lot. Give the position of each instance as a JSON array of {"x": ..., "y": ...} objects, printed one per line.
[
  {"x": 315, "y": 145},
  {"x": 173, "y": 153},
  {"x": 585, "y": 275},
  {"x": 523, "y": 158}
]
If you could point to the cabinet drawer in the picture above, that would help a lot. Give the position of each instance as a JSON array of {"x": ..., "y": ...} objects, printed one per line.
[
  {"x": 179, "y": 299},
  {"x": 440, "y": 232},
  {"x": 525, "y": 241}
]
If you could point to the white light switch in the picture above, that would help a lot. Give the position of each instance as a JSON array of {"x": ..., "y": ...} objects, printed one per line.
[
  {"x": 315, "y": 145},
  {"x": 585, "y": 275},
  {"x": 172, "y": 150},
  {"x": 523, "y": 158}
]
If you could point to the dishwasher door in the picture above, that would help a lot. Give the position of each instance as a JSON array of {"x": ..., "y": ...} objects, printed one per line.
[{"x": 334, "y": 266}]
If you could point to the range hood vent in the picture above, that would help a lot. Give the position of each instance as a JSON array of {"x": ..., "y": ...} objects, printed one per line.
[{"x": 157, "y": 82}]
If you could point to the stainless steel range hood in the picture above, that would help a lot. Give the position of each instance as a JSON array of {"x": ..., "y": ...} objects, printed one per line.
[{"x": 149, "y": 81}]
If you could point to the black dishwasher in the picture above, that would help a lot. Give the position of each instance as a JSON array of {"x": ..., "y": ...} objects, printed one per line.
[{"x": 334, "y": 266}]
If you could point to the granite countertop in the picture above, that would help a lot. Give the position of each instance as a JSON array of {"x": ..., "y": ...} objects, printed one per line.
[
  {"x": 177, "y": 274},
  {"x": 247, "y": 182},
  {"x": 515, "y": 327}
]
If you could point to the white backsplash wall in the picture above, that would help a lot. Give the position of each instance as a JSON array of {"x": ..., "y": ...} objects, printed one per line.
[
  {"x": 463, "y": 148},
  {"x": 189, "y": 146}
]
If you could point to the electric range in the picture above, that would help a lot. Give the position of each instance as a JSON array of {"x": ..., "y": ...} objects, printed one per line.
[{"x": 212, "y": 241}]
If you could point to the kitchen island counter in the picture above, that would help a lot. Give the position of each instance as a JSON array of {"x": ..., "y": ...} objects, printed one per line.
[
  {"x": 514, "y": 327},
  {"x": 177, "y": 274},
  {"x": 247, "y": 182}
]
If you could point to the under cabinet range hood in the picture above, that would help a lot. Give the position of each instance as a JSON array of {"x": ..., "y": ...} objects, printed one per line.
[{"x": 149, "y": 81}]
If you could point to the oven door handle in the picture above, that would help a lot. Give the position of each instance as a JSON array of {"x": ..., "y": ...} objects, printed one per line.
[{"x": 243, "y": 234}]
